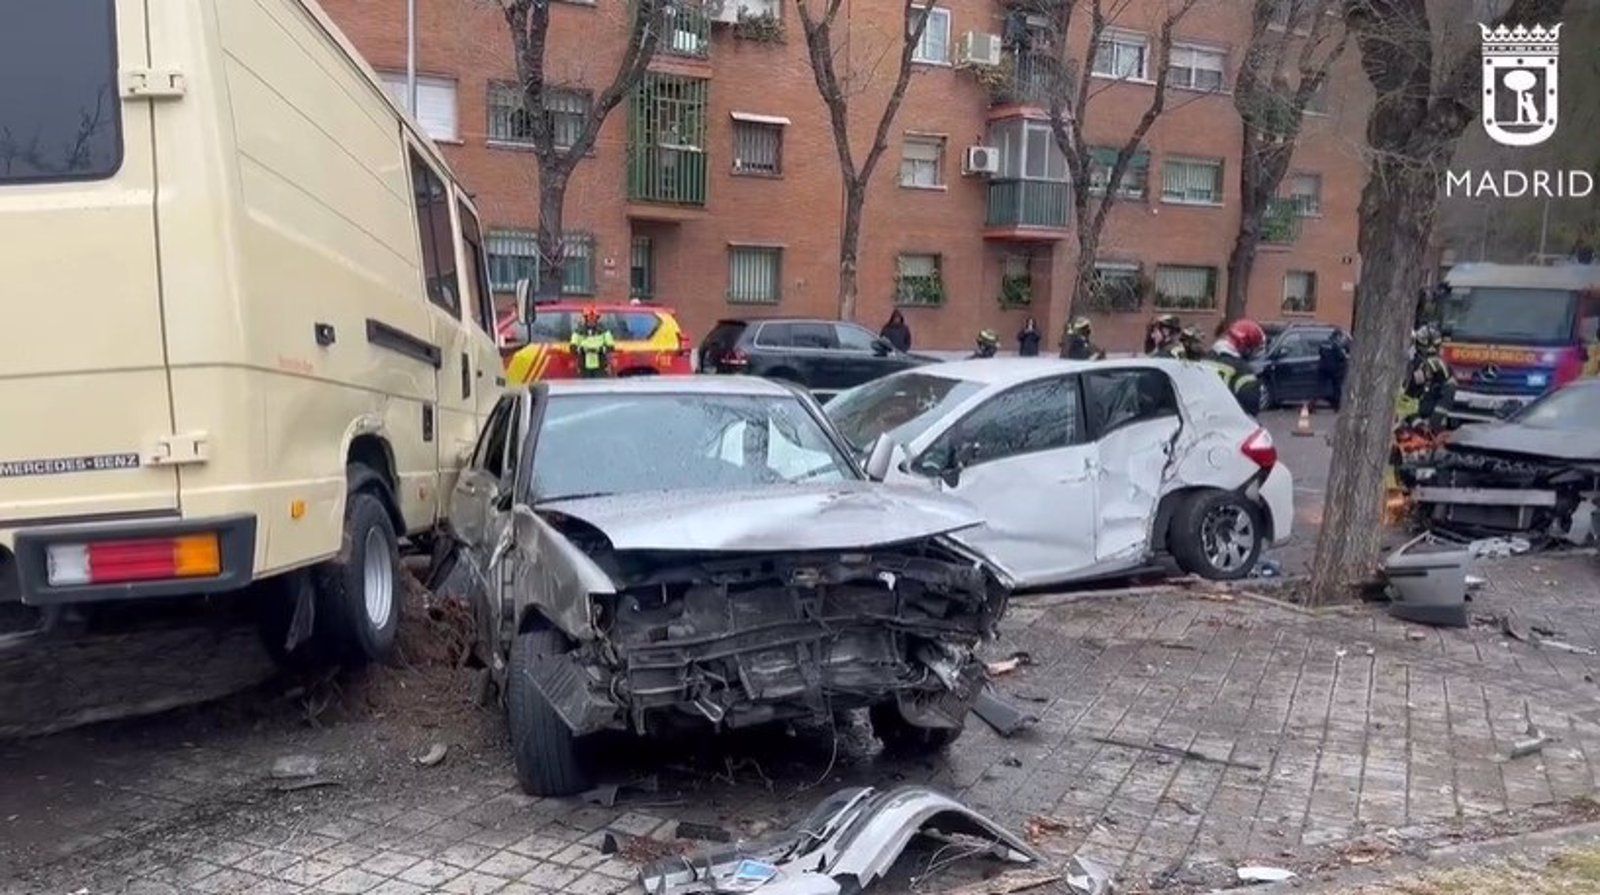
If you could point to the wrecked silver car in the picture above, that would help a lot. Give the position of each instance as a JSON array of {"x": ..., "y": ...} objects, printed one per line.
[
  {"x": 1535, "y": 474},
  {"x": 650, "y": 552}
]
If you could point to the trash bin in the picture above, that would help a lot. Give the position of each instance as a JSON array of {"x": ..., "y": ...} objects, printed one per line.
[{"x": 1429, "y": 582}]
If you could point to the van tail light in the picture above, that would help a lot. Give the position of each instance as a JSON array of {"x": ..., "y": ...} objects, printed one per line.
[
  {"x": 1260, "y": 449},
  {"x": 146, "y": 559}
]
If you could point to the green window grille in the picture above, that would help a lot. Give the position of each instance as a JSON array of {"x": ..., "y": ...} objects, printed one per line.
[{"x": 667, "y": 158}]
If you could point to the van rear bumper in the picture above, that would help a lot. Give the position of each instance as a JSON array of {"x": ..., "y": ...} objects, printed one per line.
[{"x": 236, "y": 539}]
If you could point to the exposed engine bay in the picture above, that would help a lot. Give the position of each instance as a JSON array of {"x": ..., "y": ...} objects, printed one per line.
[
  {"x": 740, "y": 637},
  {"x": 1467, "y": 491}
]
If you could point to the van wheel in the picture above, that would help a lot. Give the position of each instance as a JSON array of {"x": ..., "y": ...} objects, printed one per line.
[
  {"x": 358, "y": 593},
  {"x": 548, "y": 757},
  {"x": 901, "y": 737},
  {"x": 1217, "y": 535}
]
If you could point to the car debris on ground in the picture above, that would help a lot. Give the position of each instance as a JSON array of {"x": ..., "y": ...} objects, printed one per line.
[{"x": 847, "y": 843}]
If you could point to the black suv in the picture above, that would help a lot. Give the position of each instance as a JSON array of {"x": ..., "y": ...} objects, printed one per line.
[
  {"x": 1290, "y": 365},
  {"x": 822, "y": 355}
]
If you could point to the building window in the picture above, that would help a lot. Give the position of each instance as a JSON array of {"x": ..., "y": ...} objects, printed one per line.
[
  {"x": 918, "y": 281},
  {"x": 510, "y": 123},
  {"x": 1016, "y": 281},
  {"x": 1305, "y": 190},
  {"x": 935, "y": 44},
  {"x": 755, "y": 274},
  {"x": 1191, "y": 181},
  {"x": 922, "y": 162},
  {"x": 1117, "y": 287},
  {"x": 1122, "y": 55},
  {"x": 642, "y": 269},
  {"x": 757, "y": 147},
  {"x": 1135, "y": 176},
  {"x": 1181, "y": 288},
  {"x": 514, "y": 255},
  {"x": 1300, "y": 292},
  {"x": 436, "y": 103},
  {"x": 1196, "y": 68}
]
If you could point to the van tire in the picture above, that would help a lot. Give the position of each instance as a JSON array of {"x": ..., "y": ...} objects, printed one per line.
[
  {"x": 1211, "y": 526},
  {"x": 548, "y": 757},
  {"x": 359, "y": 592},
  {"x": 901, "y": 737}
]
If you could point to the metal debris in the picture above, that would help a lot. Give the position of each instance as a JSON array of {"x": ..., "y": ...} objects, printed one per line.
[
  {"x": 852, "y": 838},
  {"x": 434, "y": 755},
  {"x": 1264, "y": 874},
  {"x": 1532, "y": 744},
  {"x": 1088, "y": 878},
  {"x": 1006, "y": 718},
  {"x": 1176, "y": 752},
  {"x": 293, "y": 767}
]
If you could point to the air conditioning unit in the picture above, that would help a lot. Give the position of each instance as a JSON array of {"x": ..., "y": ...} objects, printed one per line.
[
  {"x": 981, "y": 160},
  {"x": 979, "y": 48}
]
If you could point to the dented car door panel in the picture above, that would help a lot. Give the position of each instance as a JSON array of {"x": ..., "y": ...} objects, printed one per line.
[{"x": 1134, "y": 465}]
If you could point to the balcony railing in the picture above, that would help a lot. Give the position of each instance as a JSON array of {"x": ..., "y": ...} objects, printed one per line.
[
  {"x": 673, "y": 174},
  {"x": 1280, "y": 223},
  {"x": 688, "y": 31},
  {"x": 1027, "y": 203},
  {"x": 1028, "y": 79}
]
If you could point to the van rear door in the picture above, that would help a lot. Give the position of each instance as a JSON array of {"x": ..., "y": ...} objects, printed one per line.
[{"x": 84, "y": 398}]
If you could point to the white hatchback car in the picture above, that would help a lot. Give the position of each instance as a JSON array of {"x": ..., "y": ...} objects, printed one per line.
[{"x": 1083, "y": 469}]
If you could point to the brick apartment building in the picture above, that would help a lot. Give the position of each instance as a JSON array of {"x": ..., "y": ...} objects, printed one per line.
[{"x": 716, "y": 189}]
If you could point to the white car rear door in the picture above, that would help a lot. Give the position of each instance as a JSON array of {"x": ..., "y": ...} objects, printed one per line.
[
  {"x": 1135, "y": 412},
  {"x": 1024, "y": 460}
]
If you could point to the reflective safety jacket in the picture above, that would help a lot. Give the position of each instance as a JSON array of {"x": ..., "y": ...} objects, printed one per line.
[
  {"x": 1240, "y": 379},
  {"x": 1427, "y": 382},
  {"x": 592, "y": 348}
]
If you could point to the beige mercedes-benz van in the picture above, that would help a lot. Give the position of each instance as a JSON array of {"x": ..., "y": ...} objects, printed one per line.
[{"x": 244, "y": 320}]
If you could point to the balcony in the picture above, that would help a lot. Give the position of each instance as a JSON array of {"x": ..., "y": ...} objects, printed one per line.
[
  {"x": 1027, "y": 209},
  {"x": 1029, "y": 79},
  {"x": 688, "y": 32},
  {"x": 1280, "y": 223},
  {"x": 673, "y": 175}
]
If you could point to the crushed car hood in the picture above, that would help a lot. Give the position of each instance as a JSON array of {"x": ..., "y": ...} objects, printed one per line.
[
  {"x": 833, "y": 516},
  {"x": 1571, "y": 445}
]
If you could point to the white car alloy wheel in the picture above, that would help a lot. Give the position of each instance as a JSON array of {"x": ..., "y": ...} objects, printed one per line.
[
  {"x": 1228, "y": 537},
  {"x": 377, "y": 578}
]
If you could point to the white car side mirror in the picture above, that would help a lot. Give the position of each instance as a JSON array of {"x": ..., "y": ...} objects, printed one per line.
[{"x": 884, "y": 455}]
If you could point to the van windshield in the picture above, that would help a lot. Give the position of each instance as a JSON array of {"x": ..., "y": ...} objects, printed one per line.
[
  {"x": 1518, "y": 316},
  {"x": 60, "y": 115}
]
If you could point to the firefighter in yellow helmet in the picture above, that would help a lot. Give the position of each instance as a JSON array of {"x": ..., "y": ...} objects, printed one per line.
[
  {"x": 1078, "y": 345},
  {"x": 592, "y": 346}
]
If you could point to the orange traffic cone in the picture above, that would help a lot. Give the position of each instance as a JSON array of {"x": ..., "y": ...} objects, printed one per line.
[{"x": 1302, "y": 426}]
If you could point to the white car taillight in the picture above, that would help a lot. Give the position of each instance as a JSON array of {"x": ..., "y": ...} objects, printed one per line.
[{"x": 1260, "y": 449}]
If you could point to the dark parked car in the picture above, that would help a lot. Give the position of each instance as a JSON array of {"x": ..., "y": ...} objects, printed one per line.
[
  {"x": 1289, "y": 367},
  {"x": 822, "y": 355}
]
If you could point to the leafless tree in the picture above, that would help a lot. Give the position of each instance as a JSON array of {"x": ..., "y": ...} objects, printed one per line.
[
  {"x": 823, "y": 48},
  {"x": 1424, "y": 100},
  {"x": 1305, "y": 41},
  {"x": 529, "y": 23},
  {"x": 1069, "y": 112}
]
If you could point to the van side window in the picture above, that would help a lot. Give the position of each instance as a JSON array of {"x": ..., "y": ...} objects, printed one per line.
[
  {"x": 479, "y": 298},
  {"x": 433, "y": 228},
  {"x": 58, "y": 92}
]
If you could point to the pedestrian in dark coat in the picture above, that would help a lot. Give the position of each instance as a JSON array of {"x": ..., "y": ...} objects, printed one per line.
[
  {"x": 1028, "y": 339},
  {"x": 896, "y": 333}
]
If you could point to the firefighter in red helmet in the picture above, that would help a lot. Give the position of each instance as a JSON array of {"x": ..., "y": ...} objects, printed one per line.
[{"x": 1231, "y": 354}]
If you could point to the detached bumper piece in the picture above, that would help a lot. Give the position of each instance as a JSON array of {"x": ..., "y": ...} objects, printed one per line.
[{"x": 847, "y": 843}]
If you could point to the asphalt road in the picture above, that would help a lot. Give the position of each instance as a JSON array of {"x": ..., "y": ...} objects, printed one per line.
[{"x": 1307, "y": 457}]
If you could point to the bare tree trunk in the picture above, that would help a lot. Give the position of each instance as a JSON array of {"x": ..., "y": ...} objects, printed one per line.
[
  {"x": 849, "y": 249},
  {"x": 1242, "y": 259},
  {"x": 552, "y": 242},
  {"x": 1397, "y": 209}
]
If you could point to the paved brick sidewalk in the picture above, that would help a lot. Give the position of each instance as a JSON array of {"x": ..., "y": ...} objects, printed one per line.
[{"x": 1331, "y": 727}]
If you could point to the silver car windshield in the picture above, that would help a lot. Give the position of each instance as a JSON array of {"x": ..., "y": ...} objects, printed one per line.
[
  {"x": 602, "y": 444},
  {"x": 902, "y": 406}
]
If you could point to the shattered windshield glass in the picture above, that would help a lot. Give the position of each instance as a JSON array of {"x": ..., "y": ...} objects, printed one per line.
[
  {"x": 904, "y": 406},
  {"x": 1530, "y": 316},
  {"x": 602, "y": 444},
  {"x": 1575, "y": 407}
]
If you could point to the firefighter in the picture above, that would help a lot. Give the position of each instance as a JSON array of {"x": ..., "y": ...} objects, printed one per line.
[
  {"x": 1078, "y": 345},
  {"x": 1164, "y": 337},
  {"x": 1230, "y": 355},
  {"x": 592, "y": 346},
  {"x": 988, "y": 344},
  {"x": 1191, "y": 344},
  {"x": 1428, "y": 378}
]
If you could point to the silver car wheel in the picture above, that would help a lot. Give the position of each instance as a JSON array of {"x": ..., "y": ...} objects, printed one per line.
[{"x": 1228, "y": 537}]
